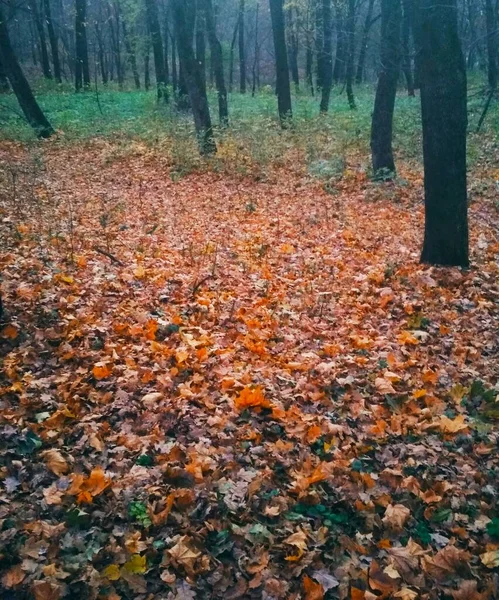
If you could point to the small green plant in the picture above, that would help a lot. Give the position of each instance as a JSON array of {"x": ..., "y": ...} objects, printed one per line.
[{"x": 138, "y": 511}]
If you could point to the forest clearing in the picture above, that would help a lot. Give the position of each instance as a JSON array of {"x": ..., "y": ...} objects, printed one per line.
[{"x": 249, "y": 338}]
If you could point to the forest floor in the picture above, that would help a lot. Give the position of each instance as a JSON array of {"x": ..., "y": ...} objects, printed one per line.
[{"x": 216, "y": 387}]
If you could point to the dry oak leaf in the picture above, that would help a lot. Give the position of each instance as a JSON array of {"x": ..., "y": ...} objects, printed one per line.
[
  {"x": 313, "y": 590},
  {"x": 406, "y": 558},
  {"x": 446, "y": 562},
  {"x": 384, "y": 386},
  {"x": 490, "y": 559},
  {"x": 45, "y": 590},
  {"x": 52, "y": 495},
  {"x": 184, "y": 554},
  {"x": 396, "y": 516},
  {"x": 56, "y": 462},
  {"x": 14, "y": 576},
  {"x": 452, "y": 425}
]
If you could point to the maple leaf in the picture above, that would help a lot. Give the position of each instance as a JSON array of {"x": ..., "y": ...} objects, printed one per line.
[
  {"x": 9, "y": 332},
  {"x": 86, "y": 488},
  {"x": 452, "y": 425},
  {"x": 102, "y": 370},
  {"x": 446, "y": 562},
  {"x": 312, "y": 589},
  {"x": 13, "y": 577},
  {"x": 380, "y": 580},
  {"x": 490, "y": 559},
  {"x": 137, "y": 565},
  {"x": 56, "y": 462},
  {"x": 184, "y": 554},
  {"x": 251, "y": 398},
  {"x": 299, "y": 541},
  {"x": 396, "y": 515},
  {"x": 46, "y": 590},
  {"x": 111, "y": 572}
]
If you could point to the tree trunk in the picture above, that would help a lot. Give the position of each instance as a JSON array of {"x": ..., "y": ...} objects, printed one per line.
[
  {"x": 174, "y": 65},
  {"x": 363, "y": 45},
  {"x": 293, "y": 48},
  {"x": 231, "y": 56},
  {"x": 194, "y": 81},
  {"x": 256, "y": 57},
  {"x": 130, "y": 50},
  {"x": 102, "y": 56},
  {"x": 53, "y": 41},
  {"x": 408, "y": 8},
  {"x": 350, "y": 52},
  {"x": 491, "y": 28},
  {"x": 386, "y": 91},
  {"x": 242, "y": 48},
  {"x": 281, "y": 62},
  {"x": 444, "y": 113},
  {"x": 20, "y": 85},
  {"x": 147, "y": 72},
  {"x": 82, "y": 72},
  {"x": 217, "y": 62},
  {"x": 42, "y": 40},
  {"x": 201, "y": 44},
  {"x": 341, "y": 44},
  {"x": 166, "y": 52},
  {"x": 157, "y": 48},
  {"x": 4, "y": 80},
  {"x": 327, "y": 54},
  {"x": 319, "y": 44}
]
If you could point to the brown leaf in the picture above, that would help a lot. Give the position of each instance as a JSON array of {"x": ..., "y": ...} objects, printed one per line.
[
  {"x": 396, "y": 515},
  {"x": 46, "y": 590},
  {"x": 14, "y": 576},
  {"x": 56, "y": 462},
  {"x": 312, "y": 589}
]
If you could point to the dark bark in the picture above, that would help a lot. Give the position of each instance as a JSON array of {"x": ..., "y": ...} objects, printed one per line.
[
  {"x": 386, "y": 91},
  {"x": 492, "y": 58},
  {"x": 309, "y": 59},
  {"x": 101, "y": 54},
  {"x": 41, "y": 39},
  {"x": 350, "y": 31},
  {"x": 53, "y": 41},
  {"x": 217, "y": 62},
  {"x": 174, "y": 65},
  {"x": 193, "y": 80},
  {"x": 408, "y": 15},
  {"x": 293, "y": 48},
  {"x": 130, "y": 50},
  {"x": 157, "y": 48},
  {"x": 147, "y": 71},
  {"x": 341, "y": 44},
  {"x": 319, "y": 44},
  {"x": 444, "y": 114},
  {"x": 281, "y": 60},
  {"x": 359, "y": 77},
  {"x": 20, "y": 85},
  {"x": 82, "y": 71},
  {"x": 201, "y": 44},
  {"x": 166, "y": 51},
  {"x": 4, "y": 80},
  {"x": 231, "y": 56},
  {"x": 183, "y": 101},
  {"x": 242, "y": 48},
  {"x": 114, "y": 30},
  {"x": 256, "y": 57},
  {"x": 327, "y": 54}
]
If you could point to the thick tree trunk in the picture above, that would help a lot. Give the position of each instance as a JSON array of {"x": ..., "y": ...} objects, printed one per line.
[
  {"x": 492, "y": 36},
  {"x": 408, "y": 15},
  {"x": 293, "y": 48},
  {"x": 130, "y": 50},
  {"x": 281, "y": 61},
  {"x": 341, "y": 44},
  {"x": 350, "y": 52},
  {"x": 386, "y": 91},
  {"x": 157, "y": 48},
  {"x": 53, "y": 41},
  {"x": 193, "y": 80},
  {"x": 4, "y": 80},
  {"x": 443, "y": 103},
  {"x": 20, "y": 85},
  {"x": 82, "y": 71},
  {"x": 242, "y": 48},
  {"x": 41, "y": 38},
  {"x": 217, "y": 62},
  {"x": 359, "y": 77},
  {"x": 327, "y": 54}
]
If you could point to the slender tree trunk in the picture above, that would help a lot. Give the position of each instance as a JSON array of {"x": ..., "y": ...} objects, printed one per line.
[
  {"x": 231, "y": 56},
  {"x": 20, "y": 85},
  {"x": 327, "y": 52},
  {"x": 147, "y": 72},
  {"x": 174, "y": 65},
  {"x": 4, "y": 80},
  {"x": 194, "y": 81},
  {"x": 341, "y": 44},
  {"x": 217, "y": 62},
  {"x": 319, "y": 44},
  {"x": 444, "y": 113},
  {"x": 256, "y": 57},
  {"x": 101, "y": 54},
  {"x": 53, "y": 41},
  {"x": 130, "y": 50},
  {"x": 166, "y": 52},
  {"x": 82, "y": 71},
  {"x": 384, "y": 103},
  {"x": 350, "y": 53},
  {"x": 41, "y": 38},
  {"x": 157, "y": 48},
  {"x": 293, "y": 48},
  {"x": 242, "y": 48},
  {"x": 492, "y": 57},
  {"x": 201, "y": 44},
  {"x": 281, "y": 60},
  {"x": 408, "y": 10},
  {"x": 115, "y": 40},
  {"x": 363, "y": 45}
]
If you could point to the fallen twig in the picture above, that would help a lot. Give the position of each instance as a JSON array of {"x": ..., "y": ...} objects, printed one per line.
[{"x": 109, "y": 255}]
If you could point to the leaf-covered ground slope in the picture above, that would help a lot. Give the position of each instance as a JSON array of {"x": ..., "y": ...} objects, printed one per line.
[{"x": 217, "y": 388}]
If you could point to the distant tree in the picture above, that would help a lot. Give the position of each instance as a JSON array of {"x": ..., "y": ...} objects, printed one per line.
[
  {"x": 408, "y": 16},
  {"x": 293, "y": 46},
  {"x": 492, "y": 36},
  {"x": 201, "y": 43},
  {"x": 242, "y": 48},
  {"x": 341, "y": 43},
  {"x": 157, "y": 48},
  {"x": 444, "y": 113},
  {"x": 20, "y": 85},
  {"x": 327, "y": 55},
  {"x": 53, "y": 41},
  {"x": 369, "y": 22},
  {"x": 217, "y": 61},
  {"x": 82, "y": 71},
  {"x": 130, "y": 50},
  {"x": 386, "y": 91},
  {"x": 281, "y": 61},
  {"x": 194, "y": 81},
  {"x": 350, "y": 32},
  {"x": 38, "y": 20}
]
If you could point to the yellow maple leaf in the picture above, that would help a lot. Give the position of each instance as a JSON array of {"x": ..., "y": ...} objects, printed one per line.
[
  {"x": 136, "y": 565},
  {"x": 452, "y": 425},
  {"x": 111, "y": 572}
]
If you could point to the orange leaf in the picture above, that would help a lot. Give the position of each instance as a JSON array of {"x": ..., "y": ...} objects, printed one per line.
[
  {"x": 313, "y": 590},
  {"x": 357, "y": 594},
  {"x": 313, "y": 433},
  {"x": 251, "y": 397},
  {"x": 101, "y": 370}
]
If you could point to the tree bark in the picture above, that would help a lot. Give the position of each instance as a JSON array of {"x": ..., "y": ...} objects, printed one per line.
[
  {"x": 130, "y": 50},
  {"x": 201, "y": 44},
  {"x": 217, "y": 62},
  {"x": 327, "y": 55},
  {"x": 4, "y": 80},
  {"x": 350, "y": 53},
  {"x": 231, "y": 55},
  {"x": 386, "y": 91},
  {"x": 20, "y": 85},
  {"x": 492, "y": 58},
  {"x": 363, "y": 45},
  {"x": 242, "y": 48},
  {"x": 256, "y": 57},
  {"x": 319, "y": 44},
  {"x": 281, "y": 62},
  {"x": 157, "y": 48},
  {"x": 444, "y": 114},
  {"x": 101, "y": 53},
  {"x": 41, "y": 37},
  {"x": 53, "y": 41},
  {"x": 341, "y": 44},
  {"x": 147, "y": 71},
  {"x": 293, "y": 48},
  {"x": 408, "y": 12},
  {"x": 82, "y": 71},
  {"x": 194, "y": 81},
  {"x": 174, "y": 65}
]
